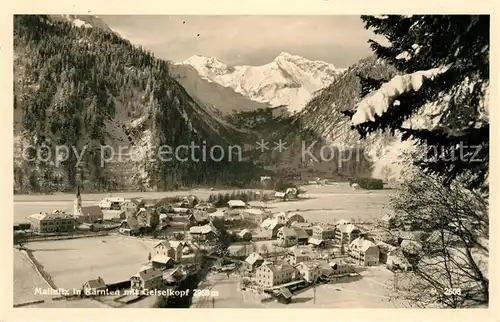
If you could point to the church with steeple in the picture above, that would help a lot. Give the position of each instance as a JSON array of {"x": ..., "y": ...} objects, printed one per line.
[{"x": 88, "y": 214}]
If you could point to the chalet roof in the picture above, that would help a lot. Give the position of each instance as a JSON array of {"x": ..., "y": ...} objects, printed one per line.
[
  {"x": 315, "y": 241},
  {"x": 92, "y": 211},
  {"x": 236, "y": 203},
  {"x": 262, "y": 233},
  {"x": 253, "y": 258},
  {"x": 149, "y": 274},
  {"x": 201, "y": 229},
  {"x": 162, "y": 259},
  {"x": 362, "y": 243},
  {"x": 170, "y": 243},
  {"x": 97, "y": 284},
  {"x": 132, "y": 200},
  {"x": 197, "y": 217},
  {"x": 288, "y": 232},
  {"x": 278, "y": 267},
  {"x": 56, "y": 214},
  {"x": 174, "y": 274},
  {"x": 348, "y": 228},
  {"x": 270, "y": 223},
  {"x": 302, "y": 251}
]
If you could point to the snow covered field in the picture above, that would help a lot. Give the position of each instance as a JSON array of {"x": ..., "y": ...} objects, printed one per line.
[
  {"x": 72, "y": 262},
  {"x": 26, "y": 280}
]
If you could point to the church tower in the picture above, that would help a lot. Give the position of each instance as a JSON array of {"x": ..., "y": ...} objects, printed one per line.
[{"x": 77, "y": 205}]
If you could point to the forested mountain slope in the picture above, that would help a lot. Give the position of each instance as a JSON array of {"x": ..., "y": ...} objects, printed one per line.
[{"x": 85, "y": 87}]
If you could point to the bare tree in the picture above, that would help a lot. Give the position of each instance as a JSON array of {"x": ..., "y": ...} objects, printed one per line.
[{"x": 451, "y": 266}]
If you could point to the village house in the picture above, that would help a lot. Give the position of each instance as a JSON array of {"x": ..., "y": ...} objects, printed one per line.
[
  {"x": 170, "y": 248},
  {"x": 147, "y": 217},
  {"x": 130, "y": 205},
  {"x": 55, "y": 222},
  {"x": 174, "y": 276},
  {"x": 287, "y": 218},
  {"x": 109, "y": 203},
  {"x": 323, "y": 232},
  {"x": 300, "y": 254},
  {"x": 309, "y": 271},
  {"x": 148, "y": 203},
  {"x": 206, "y": 207},
  {"x": 365, "y": 251},
  {"x": 203, "y": 233},
  {"x": 255, "y": 215},
  {"x": 307, "y": 227},
  {"x": 287, "y": 237},
  {"x": 345, "y": 234},
  {"x": 245, "y": 235},
  {"x": 236, "y": 204},
  {"x": 233, "y": 215},
  {"x": 89, "y": 214},
  {"x": 384, "y": 250},
  {"x": 94, "y": 287},
  {"x": 316, "y": 243},
  {"x": 147, "y": 279},
  {"x": 198, "y": 219},
  {"x": 272, "y": 274},
  {"x": 302, "y": 236},
  {"x": 262, "y": 234},
  {"x": 397, "y": 261},
  {"x": 340, "y": 266},
  {"x": 387, "y": 221},
  {"x": 272, "y": 225},
  {"x": 240, "y": 250},
  {"x": 189, "y": 201},
  {"x": 253, "y": 261}
]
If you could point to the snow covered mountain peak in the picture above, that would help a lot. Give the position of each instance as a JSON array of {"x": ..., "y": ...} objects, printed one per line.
[{"x": 287, "y": 80}]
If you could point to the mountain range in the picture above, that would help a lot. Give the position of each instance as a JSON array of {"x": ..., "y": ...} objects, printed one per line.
[
  {"x": 289, "y": 80},
  {"x": 78, "y": 83}
]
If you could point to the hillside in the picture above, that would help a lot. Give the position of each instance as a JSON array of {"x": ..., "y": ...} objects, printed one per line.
[
  {"x": 82, "y": 86},
  {"x": 288, "y": 80}
]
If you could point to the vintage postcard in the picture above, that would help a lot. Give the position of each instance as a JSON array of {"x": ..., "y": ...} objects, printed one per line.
[{"x": 251, "y": 161}]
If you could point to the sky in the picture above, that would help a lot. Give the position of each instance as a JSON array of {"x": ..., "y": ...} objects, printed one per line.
[{"x": 247, "y": 40}]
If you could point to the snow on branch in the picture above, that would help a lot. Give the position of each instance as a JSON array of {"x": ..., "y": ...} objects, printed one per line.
[{"x": 379, "y": 101}]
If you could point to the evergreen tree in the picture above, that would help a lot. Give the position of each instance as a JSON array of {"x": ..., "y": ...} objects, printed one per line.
[{"x": 418, "y": 43}]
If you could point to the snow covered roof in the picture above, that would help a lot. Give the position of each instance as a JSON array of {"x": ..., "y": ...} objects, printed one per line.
[
  {"x": 349, "y": 228},
  {"x": 162, "y": 259},
  {"x": 236, "y": 203},
  {"x": 201, "y": 229},
  {"x": 362, "y": 244},
  {"x": 253, "y": 258},
  {"x": 315, "y": 241}
]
